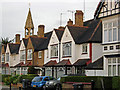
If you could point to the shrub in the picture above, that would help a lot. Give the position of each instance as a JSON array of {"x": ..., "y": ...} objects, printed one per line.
[
  {"x": 14, "y": 79},
  {"x": 5, "y": 76},
  {"x": 7, "y": 80}
]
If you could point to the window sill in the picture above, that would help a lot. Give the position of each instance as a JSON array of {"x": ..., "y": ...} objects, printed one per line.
[
  {"x": 66, "y": 56},
  {"x": 84, "y": 53},
  {"x": 29, "y": 59},
  {"x": 39, "y": 57},
  {"x": 53, "y": 57}
]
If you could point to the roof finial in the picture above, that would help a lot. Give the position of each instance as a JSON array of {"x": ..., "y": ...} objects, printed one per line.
[{"x": 29, "y": 5}]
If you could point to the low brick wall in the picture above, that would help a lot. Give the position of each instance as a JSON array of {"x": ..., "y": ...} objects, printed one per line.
[{"x": 69, "y": 85}]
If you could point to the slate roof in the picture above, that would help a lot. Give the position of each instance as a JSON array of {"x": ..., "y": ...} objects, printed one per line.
[
  {"x": 98, "y": 64},
  {"x": 64, "y": 63},
  {"x": 14, "y": 48},
  {"x": 40, "y": 43},
  {"x": 59, "y": 33},
  {"x": 25, "y": 42},
  {"x": 91, "y": 32},
  {"x": 81, "y": 62},
  {"x": 50, "y": 63}
]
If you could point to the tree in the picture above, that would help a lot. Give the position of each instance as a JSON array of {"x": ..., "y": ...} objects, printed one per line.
[{"x": 5, "y": 41}]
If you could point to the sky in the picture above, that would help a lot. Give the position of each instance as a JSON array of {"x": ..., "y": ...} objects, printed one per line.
[{"x": 13, "y": 14}]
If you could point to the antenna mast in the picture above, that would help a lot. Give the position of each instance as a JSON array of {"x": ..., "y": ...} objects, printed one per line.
[{"x": 84, "y": 8}]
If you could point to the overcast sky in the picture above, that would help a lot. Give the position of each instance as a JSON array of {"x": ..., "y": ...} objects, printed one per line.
[{"x": 14, "y": 13}]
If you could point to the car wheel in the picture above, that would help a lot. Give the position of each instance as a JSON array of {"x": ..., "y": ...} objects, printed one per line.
[{"x": 58, "y": 87}]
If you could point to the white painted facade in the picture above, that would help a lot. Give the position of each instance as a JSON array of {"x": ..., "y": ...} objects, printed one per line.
[{"x": 94, "y": 72}]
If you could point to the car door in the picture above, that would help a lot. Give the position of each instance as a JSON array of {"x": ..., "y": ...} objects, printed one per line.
[{"x": 45, "y": 80}]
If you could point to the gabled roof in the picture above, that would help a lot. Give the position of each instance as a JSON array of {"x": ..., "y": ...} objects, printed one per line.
[
  {"x": 50, "y": 63},
  {"x": 59, "y": 33},
  {"x": 91, "y": 32},
  {"x": 21, "y": 64},
  {"x": 64, "y": 63},
  {"x": 81, "y": 62},
  {"x": 41, "y": 43},
  {"x": 25, "y": 41},
  {"x": 98, "y": 64},
  {"x": 98, "y": 9},
  {"x": 14, "y": 48}
]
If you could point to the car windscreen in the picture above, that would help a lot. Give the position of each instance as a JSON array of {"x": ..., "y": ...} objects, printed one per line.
[{"x": 37, "y": 79}]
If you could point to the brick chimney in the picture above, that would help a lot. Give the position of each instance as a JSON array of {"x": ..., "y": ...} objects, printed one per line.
[
  {"x": 41, "y": 30},
  {"x": 17, "y": 38},
  {"x": 70, "y": 22},
  {"x": 79, "y": 18},
  {"x": 61, "y": 27}
]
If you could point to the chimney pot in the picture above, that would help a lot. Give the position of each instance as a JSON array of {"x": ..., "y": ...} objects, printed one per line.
[
  {"x": 70, "y": 22},
  {"x": 41, "y": 30},
  {"x": 79, "y": 18}
]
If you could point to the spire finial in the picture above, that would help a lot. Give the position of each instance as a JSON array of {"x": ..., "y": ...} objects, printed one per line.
[{"x": 29, "y": 5}]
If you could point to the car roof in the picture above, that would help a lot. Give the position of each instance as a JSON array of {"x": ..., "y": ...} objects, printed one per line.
[{"x": 43, "y": 76}]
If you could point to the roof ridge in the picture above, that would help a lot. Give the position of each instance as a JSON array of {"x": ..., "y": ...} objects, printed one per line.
[{"x": 79, "y": 26}]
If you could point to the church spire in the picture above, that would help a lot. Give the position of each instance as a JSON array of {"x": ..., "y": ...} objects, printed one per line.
[{"x": 29, "y": 27}]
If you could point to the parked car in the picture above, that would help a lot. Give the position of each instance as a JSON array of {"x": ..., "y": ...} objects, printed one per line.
[
  {"x": 40, "y": 81},
  {"x": 53, "y": 84}
]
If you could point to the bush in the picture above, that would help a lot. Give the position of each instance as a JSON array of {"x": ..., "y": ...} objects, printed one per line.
[
  {"x": 14, "y": 79},
  {"x": 5, "y": 76},
  {"x": 7, "y": 80},
  {"x": 116, "y": 82},
  {"x": 29, "y": 76}
]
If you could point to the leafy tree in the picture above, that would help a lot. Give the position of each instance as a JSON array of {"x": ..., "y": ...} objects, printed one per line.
[{"x": 5, "y": 41}]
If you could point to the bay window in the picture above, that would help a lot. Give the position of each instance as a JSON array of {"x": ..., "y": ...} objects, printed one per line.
[
  {"x": 54, "y": 51},
  {"x": 111, "y": 32},
  {"x": 67, "y": 49},
  {"x": 114, "y": 66},
  {"x": 22, "y": 55},
  {"x": 29, "y": 54}
]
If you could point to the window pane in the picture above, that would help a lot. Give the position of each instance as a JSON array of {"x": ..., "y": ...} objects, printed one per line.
[
  {"x": 109, "y": 70},
  {"x": 110, "y": 35},
  {"x": 105, "y": 25},
  {"x": 118, "y": 60},
  {"x": 109, "y": 60},
  {"x": 54, "y": 51},
  {"x": 109, "y": 25},
  {"x": 67, "y": 49},
  {"x": 114, "y": 34},
  {"x": 7, "y": 57},
  {"x": 114, "y": 60},
  {"x": 105, "y": 36},
  {"x": 114, "y": 70}
]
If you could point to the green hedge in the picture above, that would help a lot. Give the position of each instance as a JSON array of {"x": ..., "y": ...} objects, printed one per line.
[
  {"x": 116, "y": 83},
  {"x": 5, "y": 76},
  {"x": 29, "y": 76},
  {"x": 97, "y": 79}
]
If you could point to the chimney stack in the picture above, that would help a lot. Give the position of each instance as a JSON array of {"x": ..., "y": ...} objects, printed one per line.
[
  {"x": 79, "y": 18},
  {"x": 70, "y": 22},
  {"x": 17, "y": 38},
  {"x": 61, "y": 27},
  {"x": 41, "y": 30}
]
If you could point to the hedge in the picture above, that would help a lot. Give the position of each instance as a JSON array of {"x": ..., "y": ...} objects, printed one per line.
[
  {"x": 116, "y": 83},
  {"x": 5, "y": 76},
  {"x": 97, "y": 79}
]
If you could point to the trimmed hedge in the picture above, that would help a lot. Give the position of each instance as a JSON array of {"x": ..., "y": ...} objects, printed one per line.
[
  {"x": 5, "y": 76},
  {"x": 116, "y": 83},
  {"x": 97, "y": 79},
  {"x": 29, "y": 76}
]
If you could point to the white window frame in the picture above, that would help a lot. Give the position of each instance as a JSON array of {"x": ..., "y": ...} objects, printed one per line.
[
  {"x": 29, "y": 54},
  {"x": 67, "y": 49},
  {"x": 40, "y": 54},
  {"x": 84, "y": 48},
  {"x": 22, "y": 55},
  {"x": 114, "y": 65},
  {"x": 107, "y": 26},
  {"x": 7, "y": 57},
  {"x": 54, "y": 51},
  {"x": 3, "y": 58}
]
